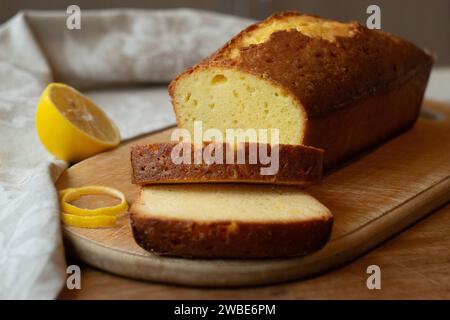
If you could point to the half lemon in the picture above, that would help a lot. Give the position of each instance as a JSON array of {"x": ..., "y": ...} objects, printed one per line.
[{"x": 72, "y": 127}]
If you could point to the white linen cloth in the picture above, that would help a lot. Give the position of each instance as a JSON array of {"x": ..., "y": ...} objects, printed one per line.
[
  {"x": 439, "y": 85},
  {"x": 114, "y": 47},
  {"x": 124, "y": 47}
]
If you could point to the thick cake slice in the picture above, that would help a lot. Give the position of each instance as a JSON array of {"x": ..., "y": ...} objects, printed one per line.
[
  {"x": 229, "y": 221},
  {"x": 337, "y": 86},
  {"x": 291, "y": 165}
]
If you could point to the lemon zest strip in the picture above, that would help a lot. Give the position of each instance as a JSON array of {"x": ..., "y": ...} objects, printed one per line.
[
  {"x": 88, "y": 221},
  {"x": 71, "y": 194}
]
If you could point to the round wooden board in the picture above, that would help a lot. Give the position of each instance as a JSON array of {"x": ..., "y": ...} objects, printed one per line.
[{"x": 372, "y": 198}]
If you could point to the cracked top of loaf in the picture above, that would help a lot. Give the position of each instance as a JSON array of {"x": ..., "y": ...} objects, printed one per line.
[{"x": 324, "y": 63}]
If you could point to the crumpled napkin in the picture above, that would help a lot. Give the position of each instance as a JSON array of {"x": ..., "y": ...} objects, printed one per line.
[{"x": 125, "y": 52}]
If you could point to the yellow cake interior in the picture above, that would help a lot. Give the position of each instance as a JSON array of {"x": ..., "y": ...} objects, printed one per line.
[
  {"x": 215, "y": 202},
  {"x": 227, "y": 98}
]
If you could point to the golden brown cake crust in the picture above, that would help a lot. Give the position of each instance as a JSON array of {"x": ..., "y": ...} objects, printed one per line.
[
  {"x": 152, "y": 164},
  {"x": 227, "y": 239},
  {"x": 368, "y": 121}
]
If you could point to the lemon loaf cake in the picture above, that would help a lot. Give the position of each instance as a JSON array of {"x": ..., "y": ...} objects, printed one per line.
[
  {"x": 336, "y": 86},
  {"x": 229, "y": 221},
  {"x": 293, "y": 165}
]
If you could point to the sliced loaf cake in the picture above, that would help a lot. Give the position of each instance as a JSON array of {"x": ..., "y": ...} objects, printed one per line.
[
  {"x": 336, "y": 86},
  {"x": 290, "y": 165},
  {"x": 229, "y": 221}
]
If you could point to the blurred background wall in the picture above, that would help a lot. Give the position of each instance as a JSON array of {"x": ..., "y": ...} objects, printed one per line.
[{"x": 426, "y": 23}]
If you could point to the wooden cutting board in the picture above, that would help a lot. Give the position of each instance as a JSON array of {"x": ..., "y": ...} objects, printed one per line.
[{"x": 372, "y": 198}]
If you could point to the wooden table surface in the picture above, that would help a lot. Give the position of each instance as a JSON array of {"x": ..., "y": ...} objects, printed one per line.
[{"x": 415, "y": 264}]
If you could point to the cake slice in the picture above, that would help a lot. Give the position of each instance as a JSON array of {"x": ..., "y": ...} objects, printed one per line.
[
  {"x": 337, "y": 86},
  {"x": 229, "y": 221},
  {"x": 290, "y": 165}
]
